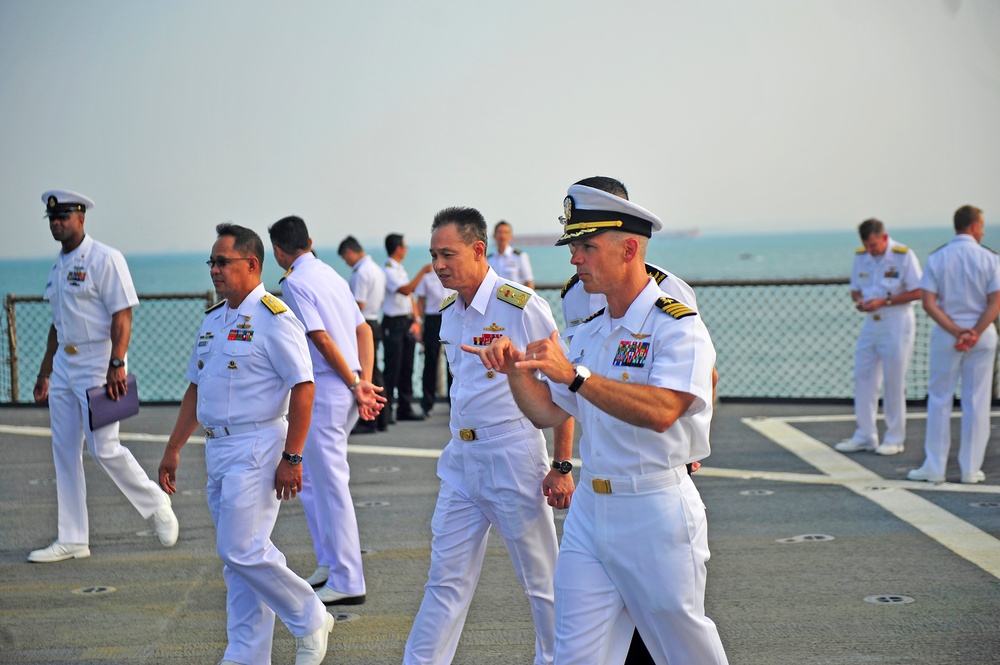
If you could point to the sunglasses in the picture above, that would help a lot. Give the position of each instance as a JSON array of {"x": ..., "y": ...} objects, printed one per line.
[{"x": 222, "y": 261}]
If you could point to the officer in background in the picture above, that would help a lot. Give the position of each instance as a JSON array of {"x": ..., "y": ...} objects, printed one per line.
[
  {"x": 340, "y": 344},
  {"x": 367, "y": 283},
  {"x": 493, "y": 470},
  {"x": 430, "y": 294},
  {"x": 961, "y": 293},
  {"x": 885, "y": 280},
  {"x": 634, "y": 544},
  {"x": 250, "y": 368},
  {"x": 91, "y": 293},
  {"x": 399, "y": 330},
  {"x": 510, "y": 263}
]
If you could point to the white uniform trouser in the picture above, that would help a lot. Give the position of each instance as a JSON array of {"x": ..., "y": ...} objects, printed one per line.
[
  {"x": 70, "y": 422},
  {"x": 975, "y": 367},
  {"x": 325, "y": 495},
  {"x": 488, "y": 482},
  {"x": 883, "y": 351},
  {"x": 244, "y": 508},
  {"x": 635, "y": 560}
]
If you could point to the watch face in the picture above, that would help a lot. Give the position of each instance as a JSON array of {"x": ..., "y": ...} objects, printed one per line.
[{"x": 117, "y": 362}]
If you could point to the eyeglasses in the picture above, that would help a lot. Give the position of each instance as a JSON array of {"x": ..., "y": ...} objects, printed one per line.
[{"x": 222, "y": 261}]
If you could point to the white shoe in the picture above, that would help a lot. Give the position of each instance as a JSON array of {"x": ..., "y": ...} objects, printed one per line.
[
  {"x": 311, "y": 649},
  {"x": 319, "y": 577},
  {"x": 923, "y": 474},
  {"x": 889, "y": 449},
  {"x": 333, "y": 597},
  {"x": 60, "y": 552},
  {"x": 852, "y": 446},
  {"x": 973, "y": 478},
  {"x": 165, "y": 524}
]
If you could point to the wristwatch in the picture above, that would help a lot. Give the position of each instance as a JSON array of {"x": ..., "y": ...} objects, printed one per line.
[
  {"x": 292, "y": 458},
  {"x": 116, "y": 363},
  {"x": 562, "y": 466},
  {"x": 582, "y": 374}
]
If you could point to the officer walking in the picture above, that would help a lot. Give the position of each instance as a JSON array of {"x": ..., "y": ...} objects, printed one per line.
[
  {"x": 493, "y": 470},
  {"x": 340, "y": 343},
  {"x": 961, "y": 293},
  {"x": 634, "y": 544},
  {"x": 91, "y": 293},
  {"x": 249, "y": 369},
  {"x": 885, "y": 280}
]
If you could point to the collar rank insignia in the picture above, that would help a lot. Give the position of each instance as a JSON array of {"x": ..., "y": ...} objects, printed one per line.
[
  {"x": 273, "y": 304},
  {"x": 494, "y": 328},
  {"x": 514, "y": 296},
  {"x": 631, "y": 354},
  {"x": 448, "y": 302},
  {"x": 675, "y": 308},
  {"x": 287, "y": 273}
]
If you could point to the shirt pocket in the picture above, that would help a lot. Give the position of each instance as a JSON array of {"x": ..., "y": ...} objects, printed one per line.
[
  {"x": 638, "y": 375},
  {"x": 235, "y": 357}
]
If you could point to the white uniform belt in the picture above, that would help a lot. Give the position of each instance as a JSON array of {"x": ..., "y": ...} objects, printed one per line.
[
  {"x": 491, "y": 432},
  {"x": 633, "y": 484},
  {"x": 71, "y": 348},
  {"x": 219, "y": 431}
]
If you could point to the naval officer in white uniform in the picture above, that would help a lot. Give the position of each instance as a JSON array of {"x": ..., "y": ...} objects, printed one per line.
[
  {"x": 92, "y": 297},
  {"x": 635, "y": 543},
  {"x": 510, "y": 263},
  {"x": 494, "y": 471},
  {"x": 885, "y": 280},
  {"x": 961, "y": 292},
  {"x": 340, "y": 343},
  {"x": 250, "y": 368}
]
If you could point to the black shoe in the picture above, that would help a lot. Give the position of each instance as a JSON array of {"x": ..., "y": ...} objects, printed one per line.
[{"x": 410, "y": 416}]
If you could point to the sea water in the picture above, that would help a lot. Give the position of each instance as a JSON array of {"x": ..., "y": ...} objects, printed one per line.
[{"x": 812, "y": 254}]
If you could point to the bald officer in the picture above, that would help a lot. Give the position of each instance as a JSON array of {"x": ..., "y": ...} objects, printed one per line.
[
  {"x": 92, "y": 297},
  {"x": 250, "y": 368},
  {"x": 961, "y": 292},
  {"x": 634, "y": 544},
  {"x": 885, "y": 280},
  {"x": 494, "y": 471},
  {"x": 340, "y": 343}
]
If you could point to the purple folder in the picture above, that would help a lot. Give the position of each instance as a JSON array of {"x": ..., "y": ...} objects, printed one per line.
[{"x": 104, "y": 410}]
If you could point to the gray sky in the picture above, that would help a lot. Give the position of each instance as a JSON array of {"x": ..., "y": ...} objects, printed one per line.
[{"x": 368, "y": 117}]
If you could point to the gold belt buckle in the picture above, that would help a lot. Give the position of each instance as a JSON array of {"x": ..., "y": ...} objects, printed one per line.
[
  {"x": 877, "y": 317},
  {"x": 467, "y": 434},
  {"x": 601, "y": 485},
  {"x": 70, "y": 349}
]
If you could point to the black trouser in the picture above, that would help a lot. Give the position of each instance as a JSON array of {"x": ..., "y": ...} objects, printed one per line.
[
  {"x": 432, "y": 352},
  {"x": 399, "y": 345},
  {"x": 382, "y": 420}
]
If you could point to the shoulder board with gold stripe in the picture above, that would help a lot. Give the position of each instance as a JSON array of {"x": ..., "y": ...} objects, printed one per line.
[
  {"x": 388, "y": 264},
  {"x": 287, "y": 273},
  {"x": 657, "y": 275},
  {"x": 518, "y": 252},
  {"x": 594, "y": 315},
  {"x": 900, "y": 249},
  {"x": 215, "y": 306},
  {"x": 674, "y": 308},
  {"x": 512, "y": 295},
  {"x": 273, "y": 304},
  {"x": 448, "y": 302},
  {"x": 569, "y": 285},
  {"x": 860, "y": 250}
]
